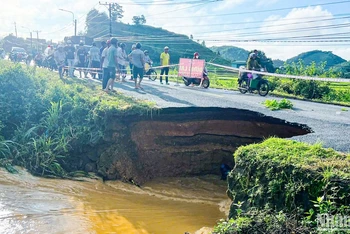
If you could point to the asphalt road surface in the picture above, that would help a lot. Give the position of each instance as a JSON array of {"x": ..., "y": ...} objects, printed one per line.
[{"x": 330, "y": 125}]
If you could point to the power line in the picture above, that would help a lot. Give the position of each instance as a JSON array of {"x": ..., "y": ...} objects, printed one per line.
[
  {"x": 325, "y": 18},
  {"x": 262, "y": 11}
]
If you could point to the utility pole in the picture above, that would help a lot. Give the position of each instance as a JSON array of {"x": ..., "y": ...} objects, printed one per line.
[
  {"x": 31, "y": 41},
  {"x": 75, "y": 27},
  {"x": 37, "y": 39},
  {"x": 74, "y": 20},
  {"x": 110, "y": 5},
  {"x": 15, "y": 29}
]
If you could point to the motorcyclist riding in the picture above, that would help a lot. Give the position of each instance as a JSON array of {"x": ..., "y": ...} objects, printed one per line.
[
  {"x": 196, "y": 56},
  {"x": 147, "y": 58},
  {"x": 252, "y": 63}
]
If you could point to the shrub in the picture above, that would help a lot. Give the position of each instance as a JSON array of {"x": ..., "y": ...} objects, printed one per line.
[
  {"x": 50, "y": 120},
  {"x": 278, "y": 105},
  {"x": 288, "y": 176}
]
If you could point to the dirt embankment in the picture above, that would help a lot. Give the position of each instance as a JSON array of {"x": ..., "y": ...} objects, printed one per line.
[{"x": 179, "y": 142}]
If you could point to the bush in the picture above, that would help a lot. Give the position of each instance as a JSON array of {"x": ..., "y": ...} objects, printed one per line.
[
  {"x": 289, "y": 176},
  {"x": 278, "y": 105},
  {"x": 50, "y": 120}
]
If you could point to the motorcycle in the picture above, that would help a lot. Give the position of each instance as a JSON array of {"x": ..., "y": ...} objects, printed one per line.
[
  {"x": 249, "y": 82},
  {"x": 49, "y": 62},
  {"x": 197, "y": 81},
  {"x": 150, "y": 72}
]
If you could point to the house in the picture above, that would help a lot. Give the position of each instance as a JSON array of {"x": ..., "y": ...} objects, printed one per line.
[{"x": 237, "y": 64}]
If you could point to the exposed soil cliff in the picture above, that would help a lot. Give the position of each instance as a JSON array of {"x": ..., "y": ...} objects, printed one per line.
[{"x": 179, "y": 142}]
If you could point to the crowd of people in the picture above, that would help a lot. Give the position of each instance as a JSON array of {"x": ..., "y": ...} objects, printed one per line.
[
  {"x": 110, "y": 62},
  {"x": 107, "y": 63}
]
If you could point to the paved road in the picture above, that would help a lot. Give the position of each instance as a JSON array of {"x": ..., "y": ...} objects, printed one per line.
[{"x": 330, "y": 124}]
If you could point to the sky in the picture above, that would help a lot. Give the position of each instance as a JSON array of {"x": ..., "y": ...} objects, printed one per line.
[{"x": 225, "y": 22}]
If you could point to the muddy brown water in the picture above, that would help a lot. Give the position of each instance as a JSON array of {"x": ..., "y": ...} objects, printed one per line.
[{"x": 30, "y": 204}]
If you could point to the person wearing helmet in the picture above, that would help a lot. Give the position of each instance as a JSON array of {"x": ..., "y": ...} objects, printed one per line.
[
  {"x": 81, "y": 55},
  {"x": 147, "y": 58},
  {"x": 70, "y": 50},
  {"x": 196, "y": 56},
  {"x": 104, "y": 62},
  {"x": 252, "y": 63},
  {"x": 165, "y": 62},
  {"x": 60, "y": 58}
]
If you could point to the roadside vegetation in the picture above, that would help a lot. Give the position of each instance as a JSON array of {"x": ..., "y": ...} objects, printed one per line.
[
  {"x": 327, "y": 92},
  {"x": 278, "y": 105},
  {"x": 280, "y": 186},
  {"x": 43, "y": 119}
]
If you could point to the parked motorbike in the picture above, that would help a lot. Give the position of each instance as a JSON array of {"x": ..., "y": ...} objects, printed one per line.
[
  {"x": 249, "y": 82},
  {"x": 150, "y": 72},
  {"x": 197, "y": 81}
]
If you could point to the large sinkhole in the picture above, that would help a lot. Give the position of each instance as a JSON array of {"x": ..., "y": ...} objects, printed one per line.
[{"x": 182, "y": 141}]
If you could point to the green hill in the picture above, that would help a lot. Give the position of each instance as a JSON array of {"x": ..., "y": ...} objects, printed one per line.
[
  {"x": 231, "y": 53},
  {"x": 152, "y": 39},
  {"x": 319, "y": 57},
  {"x": 278, "y": 62},
  {"x": 343, "y": 69}
]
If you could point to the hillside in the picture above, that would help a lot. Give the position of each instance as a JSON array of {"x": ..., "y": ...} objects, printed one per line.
[
  {"x": 152, "y": 39},
  {"x": 343, "y": 69},
  {"x": 319, "y": 57},
  {"x": 278, "y": 62},
  {"x": 231, "y": 53}
]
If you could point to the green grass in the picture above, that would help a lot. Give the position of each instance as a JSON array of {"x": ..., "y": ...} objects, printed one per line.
[
  {"x": 288, "y": 177},
  {"x": 278, "y": 105},
  {"x": 299, "y": 154},
  {"x": 47, "y": 117}
]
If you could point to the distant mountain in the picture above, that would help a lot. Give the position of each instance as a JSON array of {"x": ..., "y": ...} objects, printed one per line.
[
  {"x": 278, "y": 63},
  {"x": 319, "y": 57},
  {"x": 231, "y": 53}
]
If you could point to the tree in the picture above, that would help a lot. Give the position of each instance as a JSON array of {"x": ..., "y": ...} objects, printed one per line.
[
  {"x": 117, "y": 12},
  {"x": 191, "y": 37},
  {"x": 96, "y": 23},
  {"x": 264, "y": 61},
  {"x": 203, "y": 43},
  {"x": 139, "y": 20}
]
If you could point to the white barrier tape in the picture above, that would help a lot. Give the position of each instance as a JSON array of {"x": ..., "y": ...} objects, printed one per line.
[
  {"x": 282, "y": 75},
  {"x": 174, "y": 65}
]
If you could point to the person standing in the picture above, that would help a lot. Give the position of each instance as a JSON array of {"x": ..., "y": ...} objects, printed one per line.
[
  {"x": 133, "y": 47},
  {"x": 104, "y": 62},
  {"x": 70, "y": 50},
  {"x": 94, "y": 55},
  {"x": 112, "y": 57},
  {"x": 103, "y": 46},
  {"x": 137, "y": 58},
  {"x": 60, "y": 58},
  {"x": 82, "y": 58},
  {"x": 165, "y": 62},
  {"x": 122, "y": 61}
]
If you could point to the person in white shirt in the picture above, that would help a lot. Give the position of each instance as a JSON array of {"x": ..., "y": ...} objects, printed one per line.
[
  {"x": 60, "y": 59},
  {"x": 122, "y": 60},
  {"x": 104, "y": 61},
  {"x": 94, "y": 57}
]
